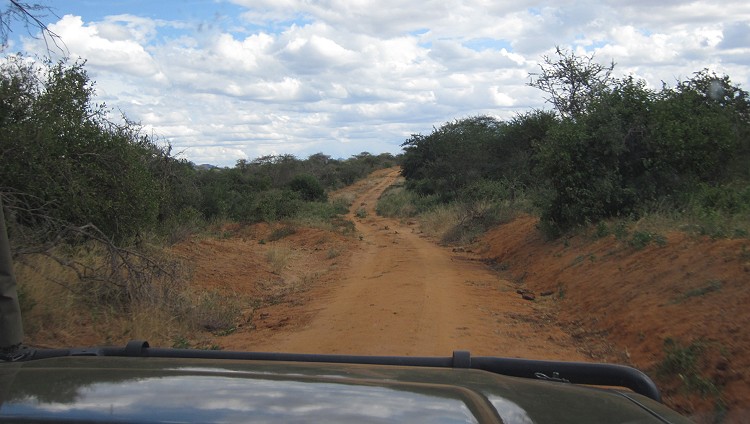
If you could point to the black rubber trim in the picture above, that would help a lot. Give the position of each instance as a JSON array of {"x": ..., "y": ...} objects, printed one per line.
[
  {"x": 570, "y": 372},
  {"x": 461, "y": 359}
]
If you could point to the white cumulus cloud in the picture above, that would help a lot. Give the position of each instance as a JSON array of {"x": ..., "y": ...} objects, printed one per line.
[{"x": 342, "y": 76}]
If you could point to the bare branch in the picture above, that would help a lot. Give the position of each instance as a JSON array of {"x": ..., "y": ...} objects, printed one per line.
[
  {"x": 30, "y": 16},
  {"x": 118, "y": 276},
  {"x": 571, "y": 81}
]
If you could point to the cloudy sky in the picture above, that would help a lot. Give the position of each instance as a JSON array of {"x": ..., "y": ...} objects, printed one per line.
[{"x": 228, "y": 79}]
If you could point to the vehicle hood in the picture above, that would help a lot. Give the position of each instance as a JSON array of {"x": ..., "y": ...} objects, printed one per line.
[{"x": 160, "y": 390}]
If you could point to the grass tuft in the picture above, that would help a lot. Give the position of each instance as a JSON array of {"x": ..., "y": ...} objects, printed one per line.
[
  {"x": 710, "y": 287},
  {"x": 683, "y": 362},
  {"x": 216, "y": 312},
  {"x": 278, "y": 257}
]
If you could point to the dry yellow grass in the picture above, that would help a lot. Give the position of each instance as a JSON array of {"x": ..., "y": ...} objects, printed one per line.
[
  {"x": 439, "y": 220},
  {"x": 278, "y": 257},
  {"x": 60, "y": 310}
]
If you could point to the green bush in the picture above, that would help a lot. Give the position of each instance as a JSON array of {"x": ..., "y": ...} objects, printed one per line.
[
  {"x": 633, "y": 147},
  {"x": 273, "y": 205},
  {"x": 318, "y": 214},
  {"x": 309, "y": 188},
  {"x": 641, "y": 239},
  {"x": 446, "y": 162},
  {"x": 78, "y": 165}
]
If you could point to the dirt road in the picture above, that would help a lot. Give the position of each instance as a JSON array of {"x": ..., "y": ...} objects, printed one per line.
[{"x": 402, "y": 294}]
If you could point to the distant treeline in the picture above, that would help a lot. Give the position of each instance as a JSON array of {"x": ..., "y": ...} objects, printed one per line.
[
  {"x": 610, "y": 148},
  {"x": 66, "y": 163}
]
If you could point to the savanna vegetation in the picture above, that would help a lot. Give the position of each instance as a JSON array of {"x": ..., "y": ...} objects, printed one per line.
[
  {"x": 611, "y": 148},
  {"x": 92, "y": 201}
]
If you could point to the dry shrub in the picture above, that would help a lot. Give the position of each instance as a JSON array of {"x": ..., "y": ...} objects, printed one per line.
[
  {"x": 344, "y": 198},
  {"x": 439, "y": 220},
  {"x": 47, "y": 307},
  {"x": 278, "y": 257},
  {"x": 64, "y": 303},
  {"x": 215, "y": 311},
  {"x": 158, "y": 326}
]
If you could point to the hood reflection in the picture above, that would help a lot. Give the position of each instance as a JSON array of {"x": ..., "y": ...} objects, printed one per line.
[{"x": 214, "y": 398}]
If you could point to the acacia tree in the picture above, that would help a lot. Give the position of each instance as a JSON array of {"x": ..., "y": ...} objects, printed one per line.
[{"x": 571, "y": 82}]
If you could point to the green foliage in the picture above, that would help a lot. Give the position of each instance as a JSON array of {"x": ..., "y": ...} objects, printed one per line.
[
  {"x": 613, "y": 149},
  {"x": 621, "y": 230},
  {"x": 271, "y": 205},
  {"x": 588, "y": 162},
  {"x": 181, "y": 342},
  {"x": 61, "y": 148},
  {"x": 632, "y": 148},
  {"x": 272, "y": 188},
  {"x": 309, "y": 188},
  {"x": 721, "y": 210},
  {"x": 694, "y": 135},
  {"x": 641, "y": 239},
  {"x": 460, "y": 154},
  {"x": 62, "y": 151},
  {"x": 679, "y": 359},
  {"x": 601, "y": 230},
  {"x": 445, "y": 161},
  {"x": 396, "y": 201}
]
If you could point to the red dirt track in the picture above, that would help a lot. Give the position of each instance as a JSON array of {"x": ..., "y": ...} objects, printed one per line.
[{"x": 401, "y": 294}]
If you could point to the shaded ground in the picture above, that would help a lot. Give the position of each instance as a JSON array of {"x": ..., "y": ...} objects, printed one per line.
[{"x": 388, "y": 290}]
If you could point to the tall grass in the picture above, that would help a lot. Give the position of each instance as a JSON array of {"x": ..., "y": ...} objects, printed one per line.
[
  {"x": 60, "y": 308},
  {"x": 397, "y": 202},
  {"x": 717, "y": 212},
  {"x": 325, "y": 216},
  {"x": 440, "y": 219},
  {"x": 47, "y": 306},
  {"x": 456, "y": 222}
]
